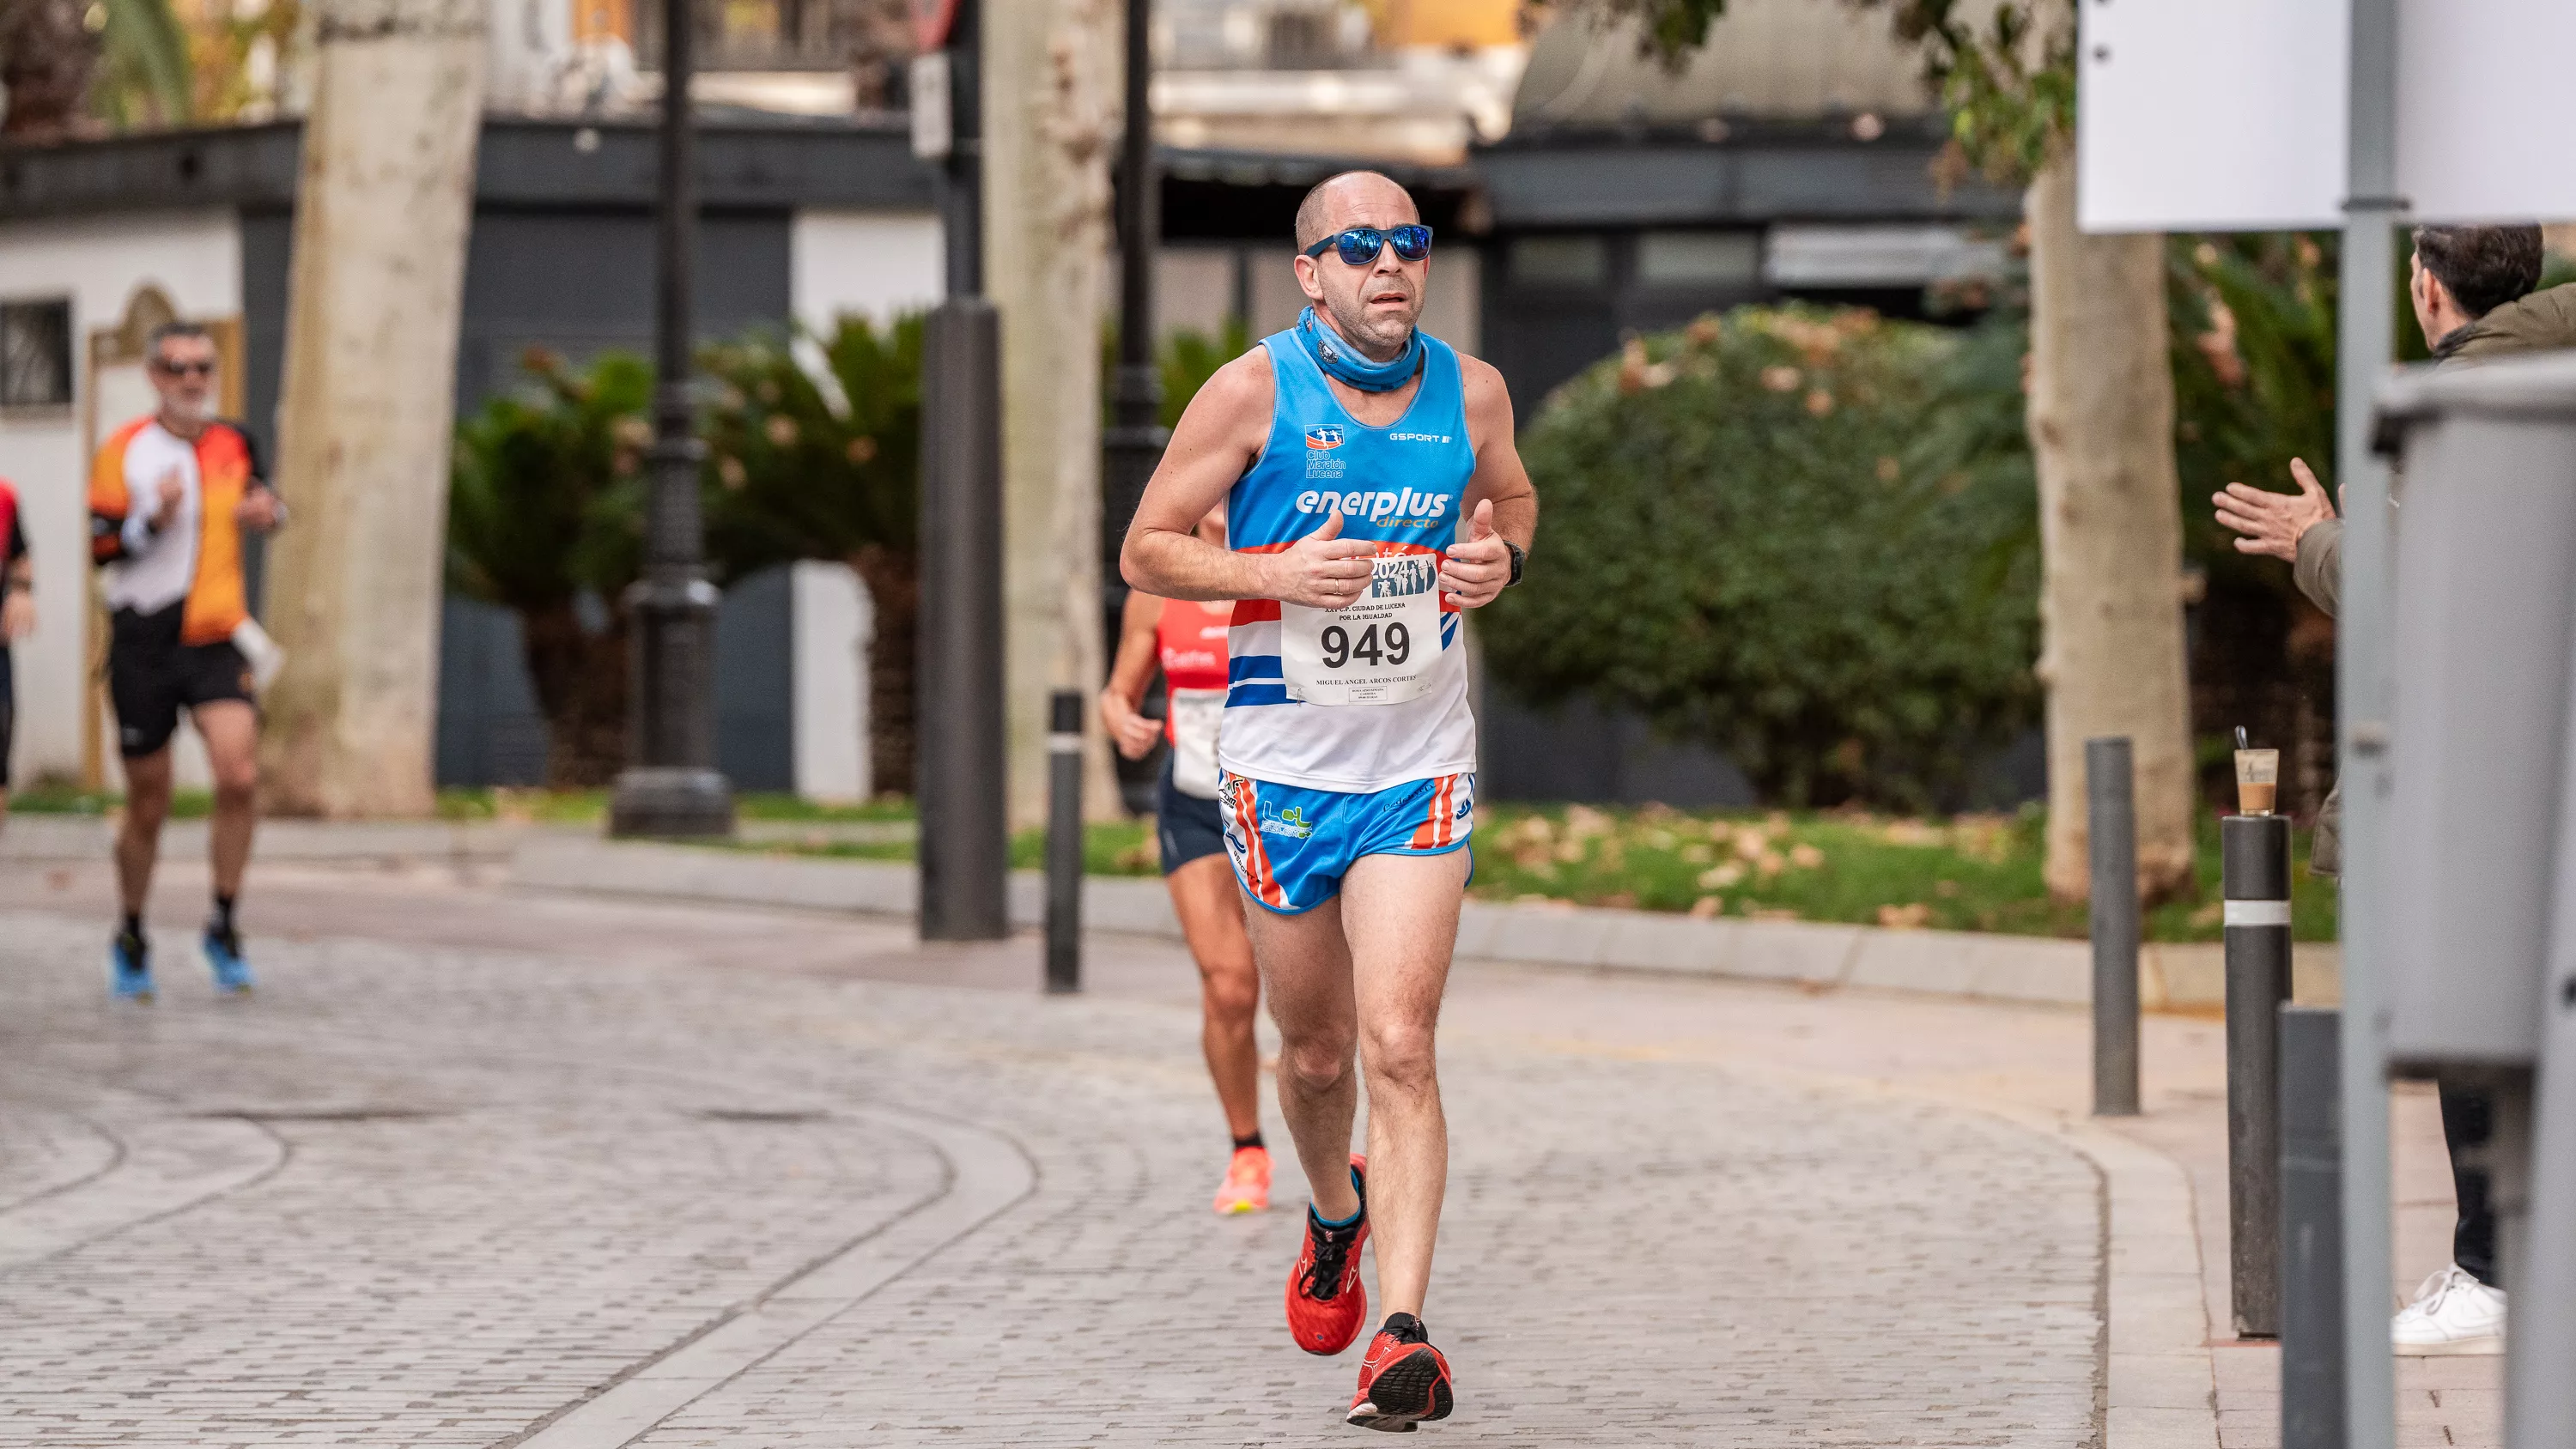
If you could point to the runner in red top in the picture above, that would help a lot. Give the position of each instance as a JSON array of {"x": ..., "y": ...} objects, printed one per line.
[
  {"x": 17, "y": 620},
  {"x": 1187, "y": 639}
]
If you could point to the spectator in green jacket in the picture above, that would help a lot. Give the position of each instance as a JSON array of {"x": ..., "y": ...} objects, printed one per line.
[{"x": 2473, "y": 292}]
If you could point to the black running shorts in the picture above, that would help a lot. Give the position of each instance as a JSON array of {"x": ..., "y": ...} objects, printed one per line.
[
  {"x": 151, "y": 676},
  {"x": 1189, "y": 826},
  {"x": 8, "y": 713}
]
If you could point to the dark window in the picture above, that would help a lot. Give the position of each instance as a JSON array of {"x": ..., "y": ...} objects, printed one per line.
[
  {"x": 1560, "y": 261},
  {"x": 36, "y": 353},
  {"x": 1699, "y": 258}
]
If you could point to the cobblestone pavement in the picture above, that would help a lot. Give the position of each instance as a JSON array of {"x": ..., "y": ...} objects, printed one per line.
[{"x": 484, "y": 1168}]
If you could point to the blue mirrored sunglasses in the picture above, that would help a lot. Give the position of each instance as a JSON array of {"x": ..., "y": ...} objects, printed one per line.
[{"x": 1360, "y": 245}]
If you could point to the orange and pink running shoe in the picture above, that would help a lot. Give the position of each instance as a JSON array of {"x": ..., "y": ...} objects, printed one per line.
[{"x": 1246, "y": 1188}]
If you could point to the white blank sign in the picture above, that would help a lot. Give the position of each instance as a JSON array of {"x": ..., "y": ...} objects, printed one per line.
[
  {"x": 2485, "y": 101},
  {"x": 2229, "y": 115},
  {"x": 2211, "y": 115}
]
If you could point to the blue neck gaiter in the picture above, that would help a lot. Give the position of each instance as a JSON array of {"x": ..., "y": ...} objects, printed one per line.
[{"x": 1339, "y": 359}]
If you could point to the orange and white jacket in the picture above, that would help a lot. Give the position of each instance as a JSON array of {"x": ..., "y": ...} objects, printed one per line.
[{"x": 198, "y": 558}]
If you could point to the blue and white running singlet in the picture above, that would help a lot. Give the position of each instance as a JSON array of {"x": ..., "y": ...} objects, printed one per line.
[{"x": 1375, "y": 695}]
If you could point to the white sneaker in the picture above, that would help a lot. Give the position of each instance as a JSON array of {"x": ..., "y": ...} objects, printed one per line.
[{"x": 2453, "y": 1313}]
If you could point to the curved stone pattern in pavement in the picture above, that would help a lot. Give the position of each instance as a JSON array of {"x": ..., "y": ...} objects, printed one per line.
[{"x": 512, "y": 1182}]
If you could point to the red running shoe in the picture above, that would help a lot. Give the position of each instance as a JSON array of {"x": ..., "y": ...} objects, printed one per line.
[
  {"x": 1326, "y": 1304},
  {"x": 1403, "y": 1380}
]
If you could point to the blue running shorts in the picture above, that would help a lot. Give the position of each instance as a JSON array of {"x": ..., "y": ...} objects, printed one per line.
[{"x": 1290, "y": 845}]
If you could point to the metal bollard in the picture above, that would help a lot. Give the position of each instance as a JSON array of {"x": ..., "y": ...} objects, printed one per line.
[
  {"x": 2311, "y": 1282},
  {"x": 1064, "y": 843},
  {"x": 2254, "y": 855},
  {"x": 2111, "y": 823}
]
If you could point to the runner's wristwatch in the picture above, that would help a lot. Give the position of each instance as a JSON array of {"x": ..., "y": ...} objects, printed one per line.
[{"x": 1520, "y": 556}]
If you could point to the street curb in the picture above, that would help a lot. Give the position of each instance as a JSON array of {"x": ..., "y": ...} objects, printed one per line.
[
  {"x": 38, "y": 838},
  {"x": 2160, "y": 1384},
  {"x": 1816, "y": 955}
]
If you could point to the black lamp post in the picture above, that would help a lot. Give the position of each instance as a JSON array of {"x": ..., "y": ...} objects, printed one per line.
[
  {"x": 964, "y": 766},
  {"x": 1132, "y": 446},
  {"x": 670, "y": 785}
]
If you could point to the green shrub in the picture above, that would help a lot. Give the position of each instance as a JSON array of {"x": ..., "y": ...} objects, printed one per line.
[
  {"x": 545, "y": 518},
  {"x": 1801, "y": 537},
  {"x": 806, "y": 465}
]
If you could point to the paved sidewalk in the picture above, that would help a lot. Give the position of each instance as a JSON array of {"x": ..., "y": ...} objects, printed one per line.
[{"x": 478, "y": 1164}]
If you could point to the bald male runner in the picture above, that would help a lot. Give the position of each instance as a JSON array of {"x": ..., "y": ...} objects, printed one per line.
[{"x": 1373, "y": 493}]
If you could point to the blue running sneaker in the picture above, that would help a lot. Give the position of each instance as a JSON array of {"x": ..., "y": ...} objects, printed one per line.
[
  {"x": 224, "y": 954},
  {"x": 129, "y": 967}
]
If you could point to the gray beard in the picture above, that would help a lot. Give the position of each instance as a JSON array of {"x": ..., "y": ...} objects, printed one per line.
[{"x": 1371, "y": 332}]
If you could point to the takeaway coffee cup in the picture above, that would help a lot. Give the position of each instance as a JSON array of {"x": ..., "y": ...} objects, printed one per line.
[{"x": 2258, "y": 781}]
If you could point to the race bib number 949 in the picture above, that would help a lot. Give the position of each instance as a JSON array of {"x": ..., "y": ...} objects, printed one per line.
[{"x": 1377, "y": 651}]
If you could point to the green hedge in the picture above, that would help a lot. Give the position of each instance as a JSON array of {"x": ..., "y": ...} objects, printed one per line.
[{"x": 1802, "y": 537}]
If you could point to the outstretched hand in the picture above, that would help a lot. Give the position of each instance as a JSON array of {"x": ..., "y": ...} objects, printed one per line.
[
  {"x": 1323, "y": 570},
  {"x": 2272, "y": 522},
  {"x": 1478, "y": 565}
]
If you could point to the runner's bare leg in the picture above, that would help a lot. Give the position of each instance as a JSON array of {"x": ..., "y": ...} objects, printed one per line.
[
  {"x": 1365, "y": 971},
  {"x": 1306, "y": 968},
  {"x": 1211, "y": 911},
  {"x": 231, "y": 732},
  {"x": 1400, "y": 913},
  {"x": 138, "y": 839}
]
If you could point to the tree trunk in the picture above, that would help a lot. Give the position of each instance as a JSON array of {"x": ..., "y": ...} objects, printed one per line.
[
  {"x": 46, "y": 57},
  {"x": 1050, "y": 123},
  {"x": 2101, "y": 431},
  {"x": 368, "y": 404},
  {"x": 581, "y": 683},
  {"x": 894, "y": 594}
]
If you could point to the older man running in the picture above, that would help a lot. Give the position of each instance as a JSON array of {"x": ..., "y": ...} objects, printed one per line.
[{"x": 1374, "y": 492}]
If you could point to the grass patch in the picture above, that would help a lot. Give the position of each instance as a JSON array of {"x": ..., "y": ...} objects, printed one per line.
[
  {"x": 1972, "y": 873},
  {"x": 590, "y": 807},
  {"x": 1111, "y": 847},
  {"x": 54, "y": 798}
]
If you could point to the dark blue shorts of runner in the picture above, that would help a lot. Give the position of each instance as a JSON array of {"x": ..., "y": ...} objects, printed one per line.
[{"x": 1189, "y": 826}]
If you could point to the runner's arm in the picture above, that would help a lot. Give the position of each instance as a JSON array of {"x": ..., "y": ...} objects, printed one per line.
[
  {"x": 1221, "y": 435},
  {"x": 1499, "y": 476},
  {"x": 1131, "y": 732},
  {"x": 261, "y": 510},
  {"x": 1500, "y": 503},
  {"x": 1221, "y": 432},
  {"x": 17, "y": 583}
]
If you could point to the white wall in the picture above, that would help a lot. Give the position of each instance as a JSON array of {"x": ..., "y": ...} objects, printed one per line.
[
  {"x": 872, "y": 264},
  {"x": 529, "y": 48},
  {"x": 194, "y": 257},
  {"x": 833, "y": 623},
  {"x": 875, "y": 263}
]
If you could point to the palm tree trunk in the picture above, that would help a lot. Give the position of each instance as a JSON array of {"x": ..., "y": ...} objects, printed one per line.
[
  {"x": 581, "y": 683},
  {"x": 2101, "y": 430},
  {"x": 893, "y": 578},
  {"x": 46, "y": 58}
]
